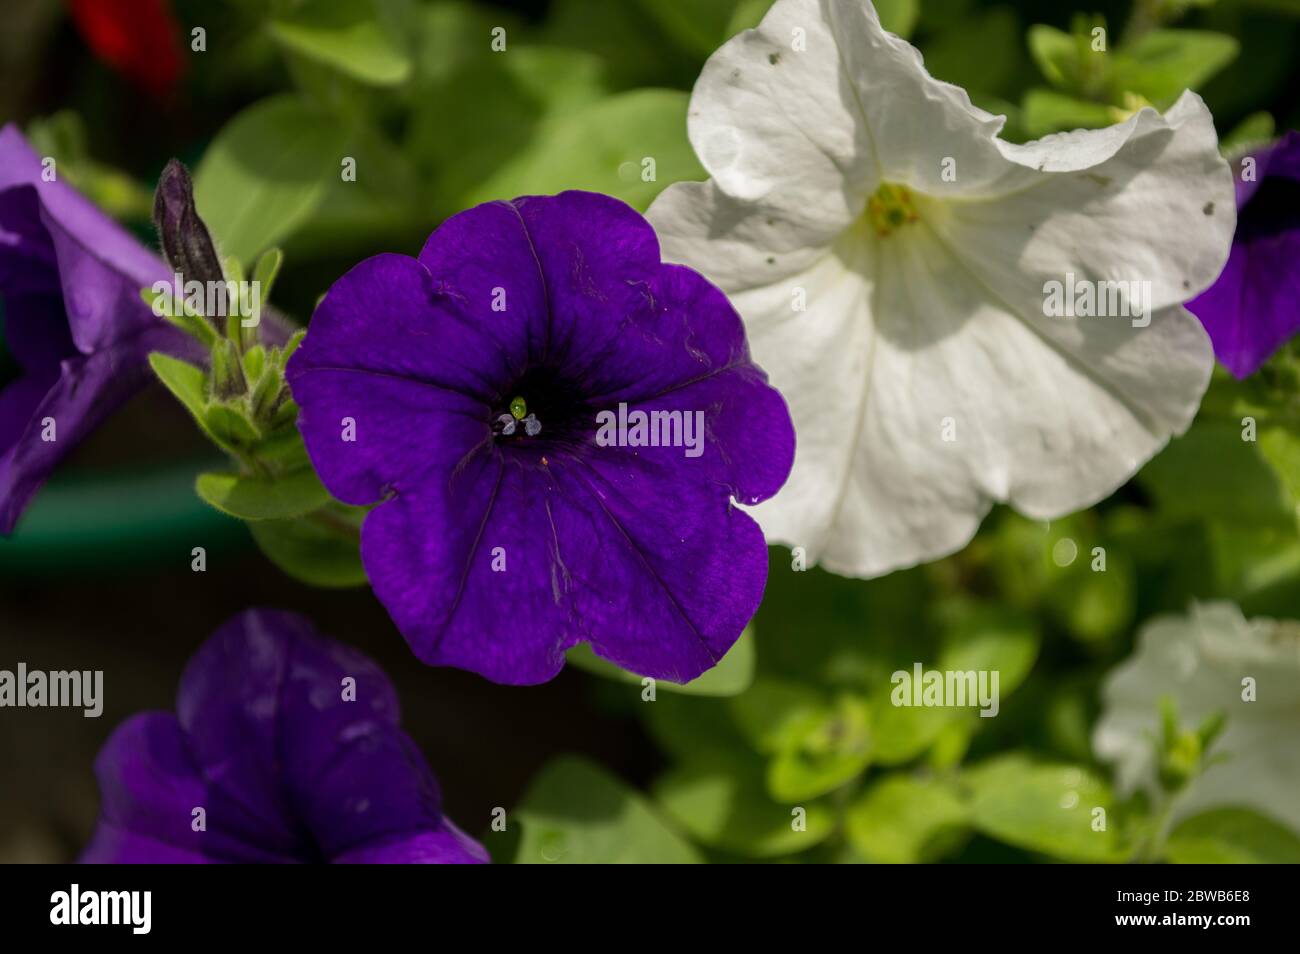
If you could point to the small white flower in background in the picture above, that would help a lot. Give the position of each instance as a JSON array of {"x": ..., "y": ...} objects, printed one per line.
[
  {"x": 890, "y": 257},
  {"x": 1200, "y": 661}
]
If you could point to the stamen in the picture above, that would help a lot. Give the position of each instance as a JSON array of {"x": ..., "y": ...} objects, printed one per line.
[
  {"x": 890, "y": 208},
  {"x": 510, "y": 422}
]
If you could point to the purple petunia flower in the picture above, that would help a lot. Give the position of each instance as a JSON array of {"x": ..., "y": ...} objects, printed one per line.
[
  {"x": 73, "y": 320},
  {"x": 1255, "y": 305},
  {"x": 555, "y": 423},
  {"x": 284, "y": 748}
]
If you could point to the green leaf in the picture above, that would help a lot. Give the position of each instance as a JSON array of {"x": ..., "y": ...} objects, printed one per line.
[
  {"x": 455, "y": 32},
  {"x": 901, "y": 733},
  {"x": 226, "y": 425},
  {"x": 1046, "y": 111},
  {"x": 747, "y": 15},
  {"x": 699, "y": 26},
  {"x": 1055, "y": 53},
  {"x": 1229, "y": 836},
  {"x": 825, "y": 750},
  {"x": 263, "y": 498},
  {"x": 899, "y": 16},
  {"x": 727, "y": 807},
  {"x": 695, "y": 728},
  {"x": 471, "y": 123},
  {"x": 906, "y": 820},
  {"x": 254, "y": 362},
  {"x": 990, "y": 638},
  {"x": 186, "y": 382},
  {"x": 816, "y": 745},
  {"x": 1255, "y": 130},
  {"x": 291, "y": 346},
  {"x": 185, "y": 318},
  {"x": 1094, "y": 606},
  {"x": 1233, "y": 481},
  {"x": 266, "y": 271},
  {"x": 347, "y": 35},
  {"x": 607, "y": 146},
  {"x": 321, "y": 549},
  {"x": 265, "y": 173},
  {"x": 1047, "y": 808},
  {"x": 731, "y": 676},
  {"x": 576, "y": 813},
  {"x": 981, "y": 53},
  {"x": 1163, "y": 63},
  {"x": 230, "y": 426},
  {"x": 1069, "y": 60},
  {"x": 624, "y": 36},
  {"x": 771, "y": 713}
]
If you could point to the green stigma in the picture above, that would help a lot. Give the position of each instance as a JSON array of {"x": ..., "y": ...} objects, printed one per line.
[
  {"x": 518, "y": 409},
  {"x": 890, "y": 208}
]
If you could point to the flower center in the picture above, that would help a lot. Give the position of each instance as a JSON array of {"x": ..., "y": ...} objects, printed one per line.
[
  {"x": 543, "y": 409},
  {"x": 510, "y": 423},
  {"x": 890, "y": 208}
]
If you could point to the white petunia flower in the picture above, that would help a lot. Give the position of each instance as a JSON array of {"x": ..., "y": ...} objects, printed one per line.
[
  {"x": 1201, "y": 661},
  {"x": 892, "y": 259}
]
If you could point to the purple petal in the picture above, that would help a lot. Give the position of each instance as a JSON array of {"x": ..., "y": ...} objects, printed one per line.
[
  {"x": 290, "y": 743},
  {"x": 102, "y": 267},
  {"x": 150, "y": 785},
  {"x": 27, "y": 262},
  {"x": 1252, "y": 308},
  {"x": 446, "y": 846},
  {"x": 497, "y": 557},
  {"x": 431, "y": 559},
  {"x": 86, "y": 391}
]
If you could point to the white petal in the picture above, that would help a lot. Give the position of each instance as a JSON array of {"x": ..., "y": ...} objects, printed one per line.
[
  {"x": 916, "y": 126},
  {"x": 735, "y": 244},
  {"x": 1199, "y": 661},
  {"x": 1156, "y": 206},
  {"x": 771, "y": 118},
  {"x": 944, "y": 320},
  {"x": 941, "y": 356}
]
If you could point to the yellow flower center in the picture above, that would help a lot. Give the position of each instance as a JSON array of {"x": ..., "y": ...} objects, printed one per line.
[{"x": 890, "y": 208}]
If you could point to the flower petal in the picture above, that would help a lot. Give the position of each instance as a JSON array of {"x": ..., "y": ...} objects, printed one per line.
[
  {"x": 945, "y": 318},
  {"x": 446, "y": 846},
  {"x": 150, "y": 786},
  {"x": 1200, "y": 662},
  {"x": 773, "y": 119},
  {"x": 1253, "y": 308},
  {"x": 102, "y": 267},
  {"x": 969, "y": 402},
  {"x": 88, "y": 389},
  {"x": 1158, "y": 208},
  {"x": 469, "y": 573}
]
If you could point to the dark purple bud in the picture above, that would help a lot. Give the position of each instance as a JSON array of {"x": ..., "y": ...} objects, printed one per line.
[{"x": 186, "y": 244}]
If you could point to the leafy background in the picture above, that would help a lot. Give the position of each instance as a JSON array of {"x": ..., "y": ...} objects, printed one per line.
[{"x": 794, "y": 724}]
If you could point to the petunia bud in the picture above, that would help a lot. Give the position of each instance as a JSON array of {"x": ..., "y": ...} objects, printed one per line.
[
  {"x": 186, "y": 244},
  {"x": 227, "y": 371}
]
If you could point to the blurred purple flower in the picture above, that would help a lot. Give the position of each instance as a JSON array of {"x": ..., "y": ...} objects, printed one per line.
[
  {"x": 462, "y": 390},
  {"x": 1255, "y": 305},
  {"x": 289, "y": 744},
  {"x": 74, "y": 321}
]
